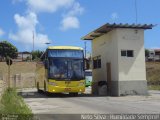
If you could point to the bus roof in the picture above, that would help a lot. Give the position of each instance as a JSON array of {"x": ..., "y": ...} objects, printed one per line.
[{"x": 65, "y": 47}]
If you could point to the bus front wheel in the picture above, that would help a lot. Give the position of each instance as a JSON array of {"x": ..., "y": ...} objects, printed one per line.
[{"x": 38, "y": 87}]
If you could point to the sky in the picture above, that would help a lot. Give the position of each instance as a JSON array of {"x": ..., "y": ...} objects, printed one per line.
[{"x": 65, "y": 22}]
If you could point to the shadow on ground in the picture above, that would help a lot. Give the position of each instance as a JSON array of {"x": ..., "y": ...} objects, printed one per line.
[{"x": 42, "y": 94}]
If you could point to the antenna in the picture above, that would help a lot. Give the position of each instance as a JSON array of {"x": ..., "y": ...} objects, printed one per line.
[{"x": 136, "y": 12}]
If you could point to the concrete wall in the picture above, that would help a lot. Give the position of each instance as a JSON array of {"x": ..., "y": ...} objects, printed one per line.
[
  {"x": 131, "y": 68},
  {"x": 128, "y": 74},
  {"x": 25, "y": 69},
  {"x": 105, "y": 46}
]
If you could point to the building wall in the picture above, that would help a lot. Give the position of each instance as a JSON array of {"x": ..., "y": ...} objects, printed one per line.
[
  {"x": 105, "y": 46},
  {"x": 128, "y": 74},
  {"x": 23, "y": 56},
  {"x": 131, "y": 68},
  {"x": 26, "y": 55}
]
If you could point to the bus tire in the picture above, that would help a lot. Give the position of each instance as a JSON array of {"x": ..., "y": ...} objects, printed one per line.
[
  {"x": 45, "y": 90},
  {"x": 44, "y": 86},
  {"x": 38, "y": 87}
]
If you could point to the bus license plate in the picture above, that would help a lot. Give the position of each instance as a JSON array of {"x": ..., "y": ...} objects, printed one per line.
[
  {"x": 67, "y": 82},
  {"x": 67, "y": 89}
]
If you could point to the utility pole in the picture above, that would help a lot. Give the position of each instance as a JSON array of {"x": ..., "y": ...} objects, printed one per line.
[
  {"x": 136, "y": 11},
  {"x": 33, "y": 41},
  {"x": 9, "y": 63},
  {"x": 85, "y": 49},
  {"x": 33, "y": 46},
  {"x": 9, "y": 69}
]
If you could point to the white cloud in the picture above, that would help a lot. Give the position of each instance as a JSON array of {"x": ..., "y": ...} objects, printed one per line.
[
  {"x": 70, "y": 19},
  {"x": 76, "y": 9},
  {"x": 26, "y": 25},
  {"x": 69, "y": 22},
  {"x": 1, "y": 32},
  {"x": 48, "y": 5},
  {"x": 29, "y": 21},
  {"x": 51, "y": 6}
]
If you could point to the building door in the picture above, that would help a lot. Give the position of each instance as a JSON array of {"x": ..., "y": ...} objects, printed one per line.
[{"x": 108, "y": 66}]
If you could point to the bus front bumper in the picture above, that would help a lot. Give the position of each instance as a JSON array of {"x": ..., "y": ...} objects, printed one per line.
[{"x": 59, "y": 89}]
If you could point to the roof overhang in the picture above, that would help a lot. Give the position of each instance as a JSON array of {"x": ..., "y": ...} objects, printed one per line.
[{"x": 109, "y": 27}]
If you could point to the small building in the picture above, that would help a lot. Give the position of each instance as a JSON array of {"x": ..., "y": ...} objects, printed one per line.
[
  {"x": 23, "y": 56},
  {"x": 157, "y": 54},
  {"x": 119, "y": 59},
  {"x": 154, "y": 55},
  {"x": 150, "y": 56}
]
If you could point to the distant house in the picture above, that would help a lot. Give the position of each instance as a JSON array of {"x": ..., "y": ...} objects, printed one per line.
[
  {"x": 154, "y": 55},
  {"x": 23, "y": 56},
  {"x": 157, "y": 54}
]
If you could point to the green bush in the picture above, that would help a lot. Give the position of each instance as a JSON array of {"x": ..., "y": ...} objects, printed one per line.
[
  {"x": 154, "y": 87},
  {"x": 13, "y": 104}
]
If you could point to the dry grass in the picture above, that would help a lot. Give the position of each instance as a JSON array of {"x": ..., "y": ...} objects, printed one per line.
[
  {"x": 153, "y": 72},
  {"x": 153, "y": 75}
]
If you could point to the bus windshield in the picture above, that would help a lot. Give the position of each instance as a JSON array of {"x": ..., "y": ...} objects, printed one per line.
[
  {"x": 66, "y": 53},
  {"x": 71, "y": 69}
]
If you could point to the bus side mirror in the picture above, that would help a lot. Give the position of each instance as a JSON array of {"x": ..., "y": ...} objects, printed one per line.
[{"x": 46, "y": 64}]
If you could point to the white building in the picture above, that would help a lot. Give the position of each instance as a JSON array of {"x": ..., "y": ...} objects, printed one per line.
[
  {"x": 119, "y": 59},
  {"x": 154, "y": 55},
  {"x": 22, "y": 56}
]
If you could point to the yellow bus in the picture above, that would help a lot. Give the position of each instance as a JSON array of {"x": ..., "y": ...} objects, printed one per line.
[{"x": 62, "y": 70}]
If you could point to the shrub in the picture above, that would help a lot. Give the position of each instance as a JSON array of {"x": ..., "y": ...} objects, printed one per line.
[{"x": 13, "y": 104}]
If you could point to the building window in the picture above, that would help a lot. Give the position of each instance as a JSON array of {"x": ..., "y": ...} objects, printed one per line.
[
  {"x": 123, "y": 53},
  {"x": 94, "y": 64},
  {"x": 127, "y": 53},
  {"x": 97, "y": 62}
]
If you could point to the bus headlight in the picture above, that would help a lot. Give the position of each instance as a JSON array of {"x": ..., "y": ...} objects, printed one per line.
[
  {"x": 52, "y": 83},
  {"x": 81, "y": 84}
]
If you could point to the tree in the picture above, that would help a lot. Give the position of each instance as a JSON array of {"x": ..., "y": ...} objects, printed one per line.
[
  {"x": 37, "y": 54},
  {"x": 8, "y": 50}
]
